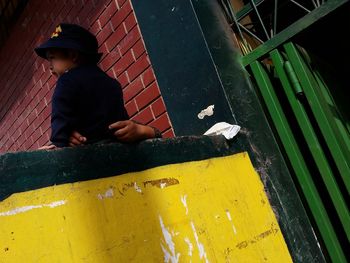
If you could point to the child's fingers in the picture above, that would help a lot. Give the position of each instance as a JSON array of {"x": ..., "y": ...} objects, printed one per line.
[
  {"x": 78, "y": 136},
  {"x": 74, "y": 141},
  {"x": 118, "y": 125},
  {"x": 121, "y": 132}
]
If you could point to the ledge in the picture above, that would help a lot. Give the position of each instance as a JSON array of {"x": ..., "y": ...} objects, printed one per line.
[{"x": 24, "y": 171}]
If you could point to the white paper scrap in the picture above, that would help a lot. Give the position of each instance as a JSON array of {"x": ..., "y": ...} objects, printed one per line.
[
  {"x": 223, "y": 128},
  {"x": 209, "y": 111}
]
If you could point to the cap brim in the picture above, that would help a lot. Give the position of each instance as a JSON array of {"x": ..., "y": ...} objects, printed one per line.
[{"x": 52, "y": 43}]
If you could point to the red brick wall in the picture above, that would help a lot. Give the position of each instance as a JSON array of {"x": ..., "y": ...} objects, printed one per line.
[{"x": 26, "y": 86}]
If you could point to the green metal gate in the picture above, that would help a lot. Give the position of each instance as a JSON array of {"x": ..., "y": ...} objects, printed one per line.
[
  {"x": 314, "y": 136},
  {"x": 310, "y": 123}
]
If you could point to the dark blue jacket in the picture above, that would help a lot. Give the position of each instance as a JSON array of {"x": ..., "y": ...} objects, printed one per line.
[{"x": 87, "y": 100}]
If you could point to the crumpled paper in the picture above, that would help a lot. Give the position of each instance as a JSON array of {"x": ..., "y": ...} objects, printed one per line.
[
  {"x": 225, "y": 129},
  {"x": 209, "y": 111}
]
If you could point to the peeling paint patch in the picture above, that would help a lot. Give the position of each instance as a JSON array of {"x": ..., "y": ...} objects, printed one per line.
[
  {"x": 137, "y": 188},
  {"x": 126, "y": 187},
  {"x": 108, "y": 194},
  {"x": 162, "y": 183},
  {"x": 190, "y": 246},
  {"x": 184, "y": 202},
  {"x": 230, "y": 219},
  {"x": 169, "y": 252},
  {"x": 209, "y": 111},
  {"x": 23, "y": 209},
  {"x": 202, "y": 253},
  {"x": 175, "y": 233}
]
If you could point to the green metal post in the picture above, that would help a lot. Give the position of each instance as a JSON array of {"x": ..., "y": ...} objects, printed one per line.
[{"x": 341, "y": 124}]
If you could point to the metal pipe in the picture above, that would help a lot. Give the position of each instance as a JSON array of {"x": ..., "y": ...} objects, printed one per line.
[
  {"x": 257, "y": 3},
  {"x": 302, "y": 7},
  {"x": 315, "y": 5},
  {"x": 275, "y": 18},
  {"x": 250, "y": 33},
  {"x": 232, "y": 14},
  {"x": 261, "y": 22}
]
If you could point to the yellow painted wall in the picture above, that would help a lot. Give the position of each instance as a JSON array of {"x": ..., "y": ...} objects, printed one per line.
[{"x": 214, "y": 210}]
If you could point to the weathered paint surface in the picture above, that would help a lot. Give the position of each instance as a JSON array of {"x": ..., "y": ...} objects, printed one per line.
[{"x": 214, "y": 210}]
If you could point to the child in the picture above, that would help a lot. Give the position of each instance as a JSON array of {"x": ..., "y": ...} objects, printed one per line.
[{"x": 86, "y": 101}]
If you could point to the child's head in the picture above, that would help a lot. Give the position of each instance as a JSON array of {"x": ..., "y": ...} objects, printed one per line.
[
  {"x": 70, "y": 45},
  {"x": 61, "y": 60}
]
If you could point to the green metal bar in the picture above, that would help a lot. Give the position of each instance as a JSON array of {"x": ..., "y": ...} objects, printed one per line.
[
  {"x": 247, "y": 9},
  {"x": 325, "y": 227},
  {"x": 292, "y": 30},
  {"x": 297, "y": 161},
  {"x": 327, "y": 126},
  {"x": 301, "y": 6},
  {"x": 323, "y": 116},
  {"x": 344, "y": 132}
]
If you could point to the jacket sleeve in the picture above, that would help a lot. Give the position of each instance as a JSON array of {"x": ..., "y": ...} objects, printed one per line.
[
  {"x": 63, "y": 116},
  {"x": 123, "y": 114}
]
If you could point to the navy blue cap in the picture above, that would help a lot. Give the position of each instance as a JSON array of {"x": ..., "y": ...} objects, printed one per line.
[{"x": 71, "y": 36}]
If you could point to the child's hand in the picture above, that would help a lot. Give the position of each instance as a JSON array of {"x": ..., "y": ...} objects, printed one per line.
[
  {"x": 130, "y": 131},
  {"x": 76, "y": 139}
]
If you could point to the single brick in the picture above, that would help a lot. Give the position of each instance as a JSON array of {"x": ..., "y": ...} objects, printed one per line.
[
  {"x": 168, "y": 134},
  {"x": 162, "y": 123},
  {"x": 120, "y": 16},
  {"x": 158, "y": 107},
  {"x": 138, "y": 67},
  {"x": 147, "y": 96},
  {"x": 123, "y": 63},
  {"x": 131, "y": 108},
  {"x": 130, "y": 21},
  {"x": 145, "y": 116},
  {"x": 133, "y": 89},
  {"x": 138, "y": 49},
  {"x": 123, "y": 79},
  {"x": 129, "y": 40},
  {"x": 108, "y": 13}
]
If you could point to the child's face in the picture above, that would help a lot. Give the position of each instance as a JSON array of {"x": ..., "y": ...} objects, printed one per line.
[{"x": 60, "y": 61}]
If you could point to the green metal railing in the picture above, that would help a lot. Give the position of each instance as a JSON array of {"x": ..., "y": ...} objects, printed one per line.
[
  {"x": 267, "y": 19},
  {"x": 326, "y": 135}
]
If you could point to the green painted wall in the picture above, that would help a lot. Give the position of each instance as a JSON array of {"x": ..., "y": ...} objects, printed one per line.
[{"x": 183, "y": 65}]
